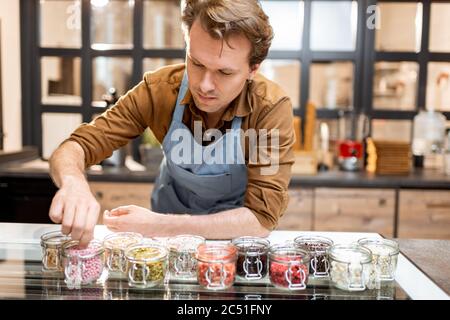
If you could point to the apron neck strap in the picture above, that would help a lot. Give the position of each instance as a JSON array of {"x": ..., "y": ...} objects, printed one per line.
[{"x": 179, "y": 108}]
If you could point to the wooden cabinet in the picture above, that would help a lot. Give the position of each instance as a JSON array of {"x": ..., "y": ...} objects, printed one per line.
[
  {"x": 357, "y": 210},
  {"x": 298, "y": 214},
  {"x": 114, "y": 194},
  {"x": 424, "y": 214}
]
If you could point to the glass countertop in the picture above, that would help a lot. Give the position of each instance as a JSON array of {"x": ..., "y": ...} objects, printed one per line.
[{"x": 22, "y": 277}]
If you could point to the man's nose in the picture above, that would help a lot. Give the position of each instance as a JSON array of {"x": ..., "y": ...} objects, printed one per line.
[{"x": 207, "y": 83}]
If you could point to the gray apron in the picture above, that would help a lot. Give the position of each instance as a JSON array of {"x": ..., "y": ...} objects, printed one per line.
[{"x": 200, "y": 187}]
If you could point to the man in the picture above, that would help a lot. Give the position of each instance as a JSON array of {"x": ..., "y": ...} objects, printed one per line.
[{"x": 219, "y": 89}]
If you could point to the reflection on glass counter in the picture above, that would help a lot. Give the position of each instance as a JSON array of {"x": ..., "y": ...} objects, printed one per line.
[
  {"x": 61, "y": 80},
  {"x": 395, "y": 85},
  {"x": 112, "y": 24},
  {"x": 60, "y": 24},
  {"x": 162, "y": 25}
]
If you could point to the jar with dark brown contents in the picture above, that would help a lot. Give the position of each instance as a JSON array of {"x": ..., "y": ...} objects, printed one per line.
[
  {"x": 317, "y": 247},
  {"x": 252, "y": 257}
]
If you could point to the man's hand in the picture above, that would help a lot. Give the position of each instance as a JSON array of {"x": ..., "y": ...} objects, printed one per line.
[
  {"x": 133, "y": 218},
  {"x": 76, "y": 208}
]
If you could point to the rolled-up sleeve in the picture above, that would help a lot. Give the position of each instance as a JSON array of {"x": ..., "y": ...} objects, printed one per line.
[{"x": 267, "y": 189}]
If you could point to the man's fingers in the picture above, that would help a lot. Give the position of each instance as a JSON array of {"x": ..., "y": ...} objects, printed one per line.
[
  {"x": 56, "y": 209},
  {"x": 118, "y": 211},
  {"x": 91, "y": 221},
  {"x": 79, "y": 221},
  {"x": 67, "y": 220}
]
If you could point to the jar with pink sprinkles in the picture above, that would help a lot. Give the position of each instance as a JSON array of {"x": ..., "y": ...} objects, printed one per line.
[{"x": 83, "y": 266}]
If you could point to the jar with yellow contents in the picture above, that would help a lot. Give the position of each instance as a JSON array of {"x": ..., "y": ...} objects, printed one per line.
[{"x": 147, "y": 265}]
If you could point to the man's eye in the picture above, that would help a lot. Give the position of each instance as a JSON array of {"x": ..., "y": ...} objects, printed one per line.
[
  {"x": 197, "y": 64},
  {"x": 225, "y": 73}
]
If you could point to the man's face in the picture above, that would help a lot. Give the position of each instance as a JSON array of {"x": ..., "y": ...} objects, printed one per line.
[{"x": 217, "y": 73}]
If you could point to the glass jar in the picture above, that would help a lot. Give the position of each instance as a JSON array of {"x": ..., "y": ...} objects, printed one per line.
[
  {"x": 83, "y": 266},
  {"x": 351, "y": 268},
  {"x": 115, "y": 245},
  {"x": 317, "y": 247},
  {"x": 51, "y": 244},
  {"x": 252, "y": 257},
  {"x": 288, "y": 266},
  {"x": 182, "y": 251},
  {"x": 216, "y": 265},
  {"x": 147, "y": 264},
  {"x": 384, "y": 256}
]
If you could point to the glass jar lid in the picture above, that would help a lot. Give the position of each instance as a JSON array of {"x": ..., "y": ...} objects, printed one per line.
[
  {"x": 350, "y": 253},
  {"x": 380, "y": 246},
  {"x": 216, "y": 252},
  {"x": 71, "y": 249},
  {"x": 148, "y": 252},
  {"x": 313, "y": 243},
  {"x": 251, "y": 245},
  {"x": 185, "y": 243},
  {"x": 288, "y": 252},
  {"x": 54, "y": 239},
  {"x": 121, "y": 240}
]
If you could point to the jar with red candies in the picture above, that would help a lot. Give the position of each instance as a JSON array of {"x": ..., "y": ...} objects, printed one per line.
[
  {"x": 252, "y": 257},
  {"x": 216, "y": 265},
  {"x": 317, "y": 248},
  {"x": 83, "y": 266},
  {"x": 288, "y": 266}
]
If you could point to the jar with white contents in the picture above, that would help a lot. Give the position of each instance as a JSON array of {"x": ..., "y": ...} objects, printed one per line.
[
  {"x": 115, "y": 245},
  {"x": 351, "y": 268},
  {"x": 182, "y": 260},
  {"x": 384, "y": 256}
]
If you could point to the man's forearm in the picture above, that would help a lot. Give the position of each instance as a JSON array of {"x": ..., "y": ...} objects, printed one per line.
[
  {"x": 223, "y": 225},
  {"x": 67, "y": 163}
]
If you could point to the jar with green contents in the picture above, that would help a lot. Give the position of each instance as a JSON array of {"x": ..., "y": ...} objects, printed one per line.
[
  {"x": 384, "y": 256},
  {"x": 351, "y": 268},
  {"x": 115, "y": 245},
  {"x": 182, "y": 260},
  {"x": 51, "y": 244},
  {"x": 147, "y": 264}
]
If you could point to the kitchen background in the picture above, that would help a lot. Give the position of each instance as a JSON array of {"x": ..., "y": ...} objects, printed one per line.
[{"x": 353, "y": 69}]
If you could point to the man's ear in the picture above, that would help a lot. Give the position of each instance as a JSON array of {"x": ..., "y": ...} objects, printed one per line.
[{"x": 253, "y": 69}]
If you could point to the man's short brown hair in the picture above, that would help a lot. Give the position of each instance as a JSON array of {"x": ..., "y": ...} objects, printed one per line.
[{"x": 223, "y": 18}]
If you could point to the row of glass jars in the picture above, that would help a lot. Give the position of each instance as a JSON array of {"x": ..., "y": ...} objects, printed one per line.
[{"x": 349, "y": 267}]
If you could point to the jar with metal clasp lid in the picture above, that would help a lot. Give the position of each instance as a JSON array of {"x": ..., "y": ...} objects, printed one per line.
[
  {"x": 317, "y": 246},
  {"x": 115, "y": 245},
  {"x": 216, "y": 265},
  {"x": 51, "y": 244},
  {"x": 384, "y": 256},
  {"x": 288, "y": 266},
  {"x": 147, "y": 264},
  {"x": 351, "y": 268},
  {"x": 182, "y": 251},
  {"x": 252, "y": 257},
  {"x": 83, "y": 266}
]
